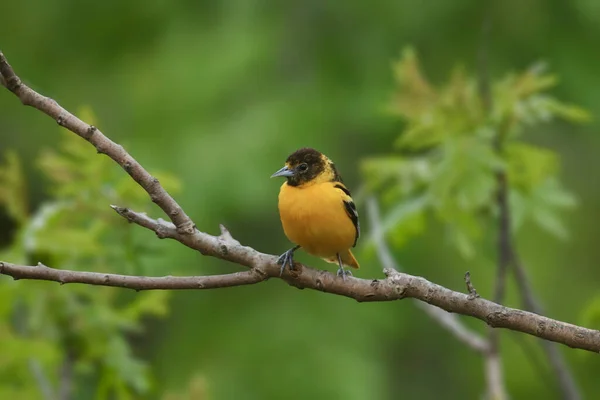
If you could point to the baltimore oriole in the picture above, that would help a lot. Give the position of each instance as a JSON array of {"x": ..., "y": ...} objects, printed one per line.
[{"x": 317, "y": 211}]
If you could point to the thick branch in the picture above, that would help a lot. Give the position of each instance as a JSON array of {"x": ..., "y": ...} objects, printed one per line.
[
  {"x": 395, "y": 287},
  {"x": 262, "y": 266},
  {"x": 448, "y": 321}
]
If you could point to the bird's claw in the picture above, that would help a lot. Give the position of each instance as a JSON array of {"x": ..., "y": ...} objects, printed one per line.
[
  {"x": 344, "y": 273},
  {"x": 286, "y": 258}
]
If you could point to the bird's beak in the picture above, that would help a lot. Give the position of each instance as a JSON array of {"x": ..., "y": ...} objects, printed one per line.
[{"x": 285, "y": 171}]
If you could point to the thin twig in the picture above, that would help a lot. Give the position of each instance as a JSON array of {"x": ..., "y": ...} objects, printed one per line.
[
  {"x": 66, "y": 375},
  {"x": 536, "y": 359},
  {"x": 35, "y": 367},
  {"x": 40, "y": 377},
  {"x": 504, "y": 248},
  {"x": 494, "y": 374},
  {"x": 566, "y": 381},
  {"x": 507, "y": 255},
  {"x": 395, "y": 286},
  {"x": 448, "y": 321},
  {"x": 494, "y": 361}
]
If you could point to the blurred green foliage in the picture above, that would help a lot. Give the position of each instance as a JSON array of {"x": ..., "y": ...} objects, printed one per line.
[
  {"x": 452, "y": 148},
  {"x": 80, "y": 329},
  {"x": 218, "y": 94}
]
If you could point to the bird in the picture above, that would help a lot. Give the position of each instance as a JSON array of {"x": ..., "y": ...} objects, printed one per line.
[{"x": 317, "y": 211}]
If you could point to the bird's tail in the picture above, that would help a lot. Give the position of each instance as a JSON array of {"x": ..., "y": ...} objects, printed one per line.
[{"x": 347, "y": 259}]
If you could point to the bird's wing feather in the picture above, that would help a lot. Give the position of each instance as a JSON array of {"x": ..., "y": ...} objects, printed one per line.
[{"x": 350, "y": 209}]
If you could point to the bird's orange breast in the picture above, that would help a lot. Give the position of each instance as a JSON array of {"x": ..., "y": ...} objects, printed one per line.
[{"x": 315, "y": 218}]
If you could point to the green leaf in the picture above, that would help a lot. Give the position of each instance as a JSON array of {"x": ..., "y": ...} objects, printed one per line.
[
  {"x": 464, "y": 176},
  {"x": 408, "y": 174},
  {"x": 149, "y": 303},
  {"x": 542, "y": 205},
  {"x": 519, "y": 209},
  {"x": 462, "y": 242},
  {"x": 529, "y": 166},
  {"x": 453, "y": 161},
  {"x": 568, "y": 112},
  {"x": 548, "y": 220},
  {"x": 404, "y": 210},
  {"x": 549, "y": 198},
  {"x": 415, "y": 95}
]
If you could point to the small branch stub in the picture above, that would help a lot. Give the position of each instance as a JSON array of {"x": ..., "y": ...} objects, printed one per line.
[{"x": 470, "y": 288}]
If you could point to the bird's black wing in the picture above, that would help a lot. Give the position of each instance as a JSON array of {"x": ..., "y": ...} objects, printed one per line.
[{"x": 351, "y": 210}]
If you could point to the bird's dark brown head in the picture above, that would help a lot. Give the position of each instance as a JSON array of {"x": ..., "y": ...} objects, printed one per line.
[{"x": 308, "y": 166}]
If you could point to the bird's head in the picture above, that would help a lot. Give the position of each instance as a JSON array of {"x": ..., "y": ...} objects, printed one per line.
[{"x": 308, "y": 166}]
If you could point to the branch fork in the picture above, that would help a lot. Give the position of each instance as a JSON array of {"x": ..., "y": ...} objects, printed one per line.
[{"x": 436, "y": 299}]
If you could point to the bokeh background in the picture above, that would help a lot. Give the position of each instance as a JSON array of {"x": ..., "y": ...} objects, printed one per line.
[{"x": 217, "y": 94}]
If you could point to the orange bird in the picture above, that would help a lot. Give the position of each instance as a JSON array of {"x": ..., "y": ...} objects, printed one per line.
[{"x": 317, "y": 211}]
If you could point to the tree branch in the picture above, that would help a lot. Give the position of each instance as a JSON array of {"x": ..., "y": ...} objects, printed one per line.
[
  {"x": 262, "y": 266},
  {"x": 448, "y": 321},
  {"x": 62, "y": 276},
  {"x": 507, "y": 254},
  {"x": 494, "y": 361},
  {"x": 395, "y": 286},
  {"x": 493, "y": 367},
  {"x": 104, "y": 145}
]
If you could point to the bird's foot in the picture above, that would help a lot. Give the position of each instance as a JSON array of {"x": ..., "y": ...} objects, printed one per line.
[
  {"x": 343, "y": 272},
  {"x": 286, "y": 258}
]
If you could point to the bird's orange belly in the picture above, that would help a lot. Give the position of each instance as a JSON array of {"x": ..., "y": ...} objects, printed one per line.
[{"x": 317, "y": 221}]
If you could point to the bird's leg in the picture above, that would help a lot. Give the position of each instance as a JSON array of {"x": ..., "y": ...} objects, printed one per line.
[
  {"x": 341, "y": 271},
  {"x": 287, "y": 258}
]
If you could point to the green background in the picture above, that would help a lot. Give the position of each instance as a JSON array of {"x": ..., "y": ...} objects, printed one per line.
[{"x": 219, "y": 93}]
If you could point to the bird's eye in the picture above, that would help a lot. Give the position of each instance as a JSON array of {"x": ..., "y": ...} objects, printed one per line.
[{"x": 303, "y": 167}]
